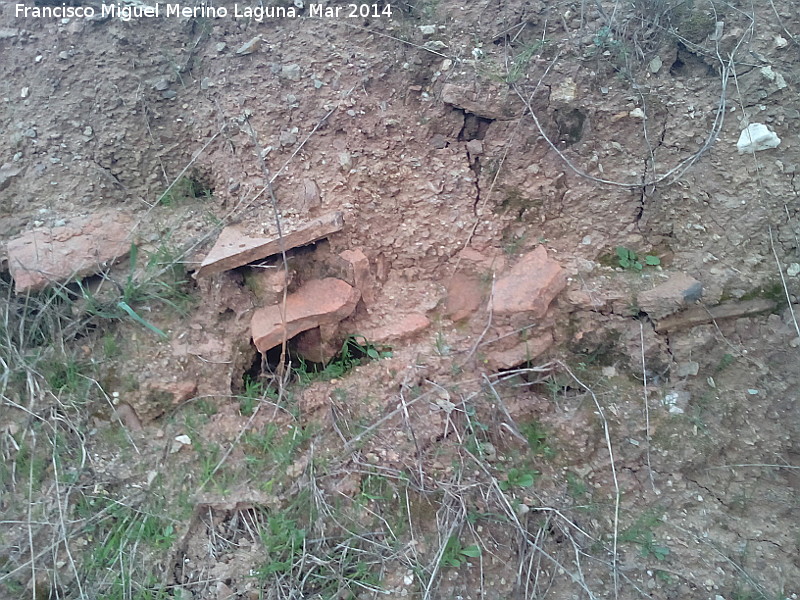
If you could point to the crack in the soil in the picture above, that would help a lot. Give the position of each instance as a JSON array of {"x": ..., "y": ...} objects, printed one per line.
[
  {"x": 643, "y": 193},
  {"x": 710, "y": 492},
  {"x": 474, "y": 163},
  {"x": 475, "y": 167}
]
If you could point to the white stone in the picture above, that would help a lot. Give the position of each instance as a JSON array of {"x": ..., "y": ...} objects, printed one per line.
[
  {"x": 609, "y": 372},
  {"x": 637, "y": 113},
  {"x": 793, "y": 270},
  {"x": 757, "y": 137},
  {"x": 774, "y": 77},
  {"x": 565, "y": 92},
  {"x": 655, "y": 65}
]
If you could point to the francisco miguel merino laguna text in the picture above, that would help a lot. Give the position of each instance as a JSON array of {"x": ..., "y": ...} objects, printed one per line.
[{"x": 126, "y": 12}]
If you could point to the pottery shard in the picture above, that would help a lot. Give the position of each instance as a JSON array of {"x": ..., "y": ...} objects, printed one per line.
[
  {"x": 358, "y": 270},
  {"x": 529, "y": 286},
  {"x": 313, "y": 348},
  {"x": 671, "y": 296},
  {"x": 41, "y": 256},
  {"x": 318, "y": 303},
  {"x": 398, "y": 328},
  {"x": 520, "y": 354},
  {"x": 234, "y": 248},
  {"x": 489, "y": 102},
  {"x": 464, "y": 296}
]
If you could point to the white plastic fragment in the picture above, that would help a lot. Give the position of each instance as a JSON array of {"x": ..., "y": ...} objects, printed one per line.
[
  {"x": 757, "y": 137},
  {"x": 180, "y": 442}
]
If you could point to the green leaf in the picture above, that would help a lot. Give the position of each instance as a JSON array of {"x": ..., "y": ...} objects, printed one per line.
[
  {"x": 624, "y": 263},
  {"x": 132, "y": 314},
  {"x": 652, "y": 261},
  {"x": 637, "y": 265},
  {"x": 622, "y": 253},
  {"x": 134, "y": 255},
  {"x": 660, "y": 552},
  {"x": 373, "y": 354},
  {"x": 473, "y": 551},
  {"x": 525, "y": 480}
]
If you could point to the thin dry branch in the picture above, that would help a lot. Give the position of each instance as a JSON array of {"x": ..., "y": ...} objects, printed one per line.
[{"x": 617, "y": 492}]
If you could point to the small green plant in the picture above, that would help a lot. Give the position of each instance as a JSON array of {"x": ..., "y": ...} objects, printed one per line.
[
  {"x": 283, "y": 543},
  {"x": 577, "y": 487},
  {"x": 271, "y": 450},
  {"x": 253, "y": 392},
  {"x": 114, "y": 530},
  {"x": 455, "y": 554},
  {"x": 628, "y": 259},
  {"x": 183, "y": 189},
  {"x": 641, "y": 533},
  {"x": 442, "y": 347},
  {"x": 513, "y": 244},
  {"x": 726, "y": 361},
  {"x": 354, "y": 350},
  {"x": 64, "y": 374},
  {"x": 519, "y": 64},
  {"x": 518, "y": 478},
  {"x": 136, "y": 289},
  {"x": 375, "y": 487},
  {"x": 476, "y": 431},
  {"x": 536, "y": 435}
]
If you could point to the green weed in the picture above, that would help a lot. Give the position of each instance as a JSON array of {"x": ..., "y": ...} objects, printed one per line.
[
  {"x": 184, "y": 189},
  {"x": 536, "y": 435},
  {"x": 137, "y": 289},
  {"x": 249, "y": 399},
  {"x": 628, "y": 259},
  {"x": 375, "y": 487},
  {"x": 355, "y": 349},
  {"x": 283, "y": 543},
  {"x": 475, "y": 432},
  {"x": 455, "y": 554},
  {"x": 518, "y": 478},
  {"x": 269, "y": 452},
  {"x": 114, "y": 530},
  {"x": 576, "y": 487},
  {"x": 64, "y": 374},
  {"x": 641, "y": 533}
]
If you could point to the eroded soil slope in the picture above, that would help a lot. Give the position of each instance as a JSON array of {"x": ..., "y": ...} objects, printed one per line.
[{"x": 525, "y": 324}]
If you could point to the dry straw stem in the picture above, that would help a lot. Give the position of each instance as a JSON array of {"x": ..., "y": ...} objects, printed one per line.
[
  {"x": 245, "y": 203},
  {"x": 617, "y": 492},
  {"x": 704, "y": 540},
  {"x": 783, "y": 282},
  {"x": 284, "y": 262},
  {"x": 282, "y": 381},
  {"x": 490, "y": 314},
  {"x": 727, "y": 68},
  {"x": 646, "y": 409},
  {"x": 533, "y": 544}
]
